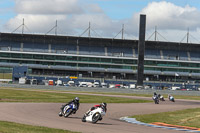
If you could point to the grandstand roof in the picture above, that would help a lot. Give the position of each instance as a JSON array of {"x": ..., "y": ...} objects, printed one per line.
[{"x": 57, "y": 39}]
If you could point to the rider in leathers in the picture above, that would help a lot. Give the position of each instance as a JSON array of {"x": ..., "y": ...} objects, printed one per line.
[
  {"x": 76, "y": 103},
  {"x": 102, "y": 105}
]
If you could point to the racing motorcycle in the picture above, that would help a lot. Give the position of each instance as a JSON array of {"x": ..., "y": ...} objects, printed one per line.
[
  {"x": 161, "y": 98},
  {"x": 94, "y": 116},
  {"x": 171, "y": 98},
  {"x": 67, "y": 110},
  {"x": 156, "y": 99}
]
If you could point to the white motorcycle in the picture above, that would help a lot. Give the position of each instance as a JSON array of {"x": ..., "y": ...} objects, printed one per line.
[{"x": 94, "y": 116}]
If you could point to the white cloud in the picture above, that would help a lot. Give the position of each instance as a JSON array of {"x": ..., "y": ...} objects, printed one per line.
[
  {"x": 48, "y": 7},
  {"x": 169, "y": 16},
  {"x": 94, "y": 8},
  {"x": 73, "y": 18},
  {"x": 35, "y": 23}
]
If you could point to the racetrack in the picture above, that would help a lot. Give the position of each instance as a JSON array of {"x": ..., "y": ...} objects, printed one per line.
[{"x": 46, "y": 114}]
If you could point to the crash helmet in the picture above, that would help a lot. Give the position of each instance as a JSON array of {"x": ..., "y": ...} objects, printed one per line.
[
  {"x": 104, "y": 104},
  {"x": 76, "y": 99}
]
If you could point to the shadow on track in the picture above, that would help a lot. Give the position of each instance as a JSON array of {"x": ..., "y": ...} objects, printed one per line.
[
  {"x": 71, "y": 117},
  {"x": 103, "y": 124}
]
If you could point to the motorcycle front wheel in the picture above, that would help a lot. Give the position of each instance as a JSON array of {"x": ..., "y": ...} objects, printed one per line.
[
  {"x": 84, "y": 119},
  {"x": 60, "y": 114}
]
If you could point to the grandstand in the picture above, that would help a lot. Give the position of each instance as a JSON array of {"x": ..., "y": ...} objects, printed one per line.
[{"x": 98, "y": 57}]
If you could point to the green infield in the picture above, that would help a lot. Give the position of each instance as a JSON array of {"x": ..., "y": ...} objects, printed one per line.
[
  {"x": 16, "y": 95},
  {"x": 186, "y": 97},
  {"x": 10, "y": 127},
  {"x": 188, "y": 117}
]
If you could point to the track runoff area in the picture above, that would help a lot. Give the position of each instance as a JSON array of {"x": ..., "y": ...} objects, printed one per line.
[{"x": 46, "y": 114}]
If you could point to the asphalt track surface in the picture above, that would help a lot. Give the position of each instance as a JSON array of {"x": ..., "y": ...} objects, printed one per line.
[{"x": 46, "y": 114}]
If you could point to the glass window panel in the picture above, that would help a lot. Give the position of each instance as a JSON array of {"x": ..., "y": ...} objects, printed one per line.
[
  {"x": 106, "y": 60},
  {"x": 60, "y": 58},
  {"x": 71, "y": 58},
  {"x": 49, "y": 57},
  {"x": 118, "y": 61},
  {"x": 28, "y": 56},
  {"x": 38, "y": 56},
  {"x": 4, "y": 55}
]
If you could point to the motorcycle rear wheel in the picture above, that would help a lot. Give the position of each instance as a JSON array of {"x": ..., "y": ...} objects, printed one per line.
[
  {"x": 67, "y": 113},
  {"x": 95, "y": 118}
]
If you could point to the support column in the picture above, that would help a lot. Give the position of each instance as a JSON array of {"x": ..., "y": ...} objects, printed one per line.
[
  {"x": 141, "y": 50},
  {"x": 77, "y": 47},
  {"x": 22, "y": 47},
  {"x": 49, "y": 47},
  {"x": 106, "y": 51},
  {"x": 134, "y": 55}
]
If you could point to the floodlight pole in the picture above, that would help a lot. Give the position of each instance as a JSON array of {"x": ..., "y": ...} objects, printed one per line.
[
  {"x": 56, "y": 26},
  {"x": 155, "y": 33},
  {"x": 188, "y": 34},
  {"x": 89, "y": 28},
  {"x": 23, "y": 26},
  {"x": 141, "y": 50},
  {"x": 123, "y": 31}
]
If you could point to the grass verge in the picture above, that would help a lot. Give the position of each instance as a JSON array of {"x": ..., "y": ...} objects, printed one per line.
[
  {"x": 186, "y": 97},
  {"x": 188, "y": 117},
  {"x": 12, "y": 95},
  {"x": 10, "y": 127}
]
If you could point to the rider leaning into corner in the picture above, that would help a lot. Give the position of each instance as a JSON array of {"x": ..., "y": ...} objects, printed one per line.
[
  {"x": 170, "y": 96},
  {"x": 102, "y": 105},
  {"x": 75, "y": 101},
  {"x": 154, "y": 95}
]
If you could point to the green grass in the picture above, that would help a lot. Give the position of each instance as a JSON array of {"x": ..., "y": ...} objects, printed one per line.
[
  {"x": 10, "y": 127},
  {"x": 13, "y": 95},
  {"x": 188, "y": 117},
  {"x": 186, "y": 97}
]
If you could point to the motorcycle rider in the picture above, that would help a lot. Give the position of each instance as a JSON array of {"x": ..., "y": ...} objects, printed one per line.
[
  {"x": 161, "y": 97},
  {"x": 170, "y": 96},
  {"x": 75, "y": 101},
  {"x": 102, "y": 105},
  {"x": 154, "y": 95}
]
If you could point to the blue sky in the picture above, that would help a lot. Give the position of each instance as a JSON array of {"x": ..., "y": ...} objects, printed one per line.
[
  {"x": 121, "y": 9},
  {"x": 6, "y": 9},
  {"x": 116, "y": 9},
  {"x": 172, "y": 17}
]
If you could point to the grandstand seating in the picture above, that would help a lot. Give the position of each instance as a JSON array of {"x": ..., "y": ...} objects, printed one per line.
[
  {"x": 91, "y": 50},
  {"x": 170, "y": 55},
  {"x": 183, "y": 55},
  {"x": 120, "y": 51},
  {"x": 9, "y": 46},
  {"x": 100, "y": 51},
  {"x": 63, "y": 49},
  {"x": 175, "y": 55},
  {"x": 31, "y": 47},
  {"x": 152, "y": 53},
  {"x": 195, "y": 56}
]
